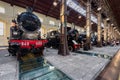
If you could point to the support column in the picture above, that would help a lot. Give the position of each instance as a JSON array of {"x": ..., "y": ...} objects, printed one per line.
[
  {"x": 108, "y": 32},
  {"x": 111, "y": 35},
  {"x": 99, "y": 41},
  {"x": 105, "y": 31},
  {"x": 114, "y": 33},
  {"x": 88, "y": 26},
  {"x": 117, "y": 36},
  {"x": 63, "y": 47}
]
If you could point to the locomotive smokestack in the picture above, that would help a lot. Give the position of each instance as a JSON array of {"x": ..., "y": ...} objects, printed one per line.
[{"x": 29, "y": 9}]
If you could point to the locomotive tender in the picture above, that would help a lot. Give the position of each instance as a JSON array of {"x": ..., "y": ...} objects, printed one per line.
[{"x": 26, "y": 39}]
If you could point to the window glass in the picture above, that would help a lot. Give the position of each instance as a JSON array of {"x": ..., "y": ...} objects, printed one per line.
[
  {"x": 51, "y": 22},
  {"x": 1, "y": 28},
  {"x": 2, "y": 10},
  {"x": 78, "y": 8}
]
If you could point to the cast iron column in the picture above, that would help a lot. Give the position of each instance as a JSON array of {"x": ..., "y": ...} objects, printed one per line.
[
  {"x": 88, "y": 26},
  {"x": 99, "y": 41},
  {"x": 105, "y": 31},
  {"x": 115, "y": 35},
  {"x": 111, "y": 37},
  {"x": 108, "y": 32},
  {"x": 63, "y": 48},
  {"x": 112, "y": 32}
]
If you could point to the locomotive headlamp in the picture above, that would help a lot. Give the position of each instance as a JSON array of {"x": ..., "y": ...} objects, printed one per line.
[{"x": 15, "y": 33}]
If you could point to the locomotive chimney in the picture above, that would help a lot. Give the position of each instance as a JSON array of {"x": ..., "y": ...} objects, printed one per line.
[{"x": 29, "y": 9}]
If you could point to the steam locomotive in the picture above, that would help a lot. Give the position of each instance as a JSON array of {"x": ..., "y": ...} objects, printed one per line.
[
  {"x": 53, "y": 38},
  {"x": 26, "y": 39}
]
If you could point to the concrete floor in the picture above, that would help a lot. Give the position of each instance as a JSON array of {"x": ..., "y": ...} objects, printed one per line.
[
  {"x": 108, "y": 50},
  {"x": 8, "y": 66},
  {"x": 77, "y": 66}
]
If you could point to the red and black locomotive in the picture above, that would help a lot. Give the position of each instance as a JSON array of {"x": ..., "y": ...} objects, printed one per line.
[{"x": 26, "y": 37}]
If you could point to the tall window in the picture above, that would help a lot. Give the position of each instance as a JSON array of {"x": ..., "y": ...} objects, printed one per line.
[
  {"x": 51, "y": 22},
  {"x": 1, "y": 28},
  {"x": 2, "y": 10}
]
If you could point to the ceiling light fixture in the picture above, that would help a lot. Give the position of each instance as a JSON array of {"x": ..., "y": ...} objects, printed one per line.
[
  {"x": 116, "y": 30},
  {"x": 91, "y": 22},
  {"x": 79, "y": 17},
  {"x": 99, "y": 8},
  {"x": 112, "y": 24},
  {"x": 114, "y": 27},
  {"x": 55, "y": 3},
  {"x": 108, "y": 19}
]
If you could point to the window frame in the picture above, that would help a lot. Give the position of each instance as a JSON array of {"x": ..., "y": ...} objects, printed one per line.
[
  {"x": 4, "y": 24},
  {"x": 51, "y": 22},
  {"x": 2, "y": 9}
]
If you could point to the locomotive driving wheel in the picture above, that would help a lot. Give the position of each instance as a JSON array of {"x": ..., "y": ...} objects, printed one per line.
[{"x": 70, "y": 48}]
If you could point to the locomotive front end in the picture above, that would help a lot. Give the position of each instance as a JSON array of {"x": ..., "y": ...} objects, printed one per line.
[{"x": 29, "y": 40}]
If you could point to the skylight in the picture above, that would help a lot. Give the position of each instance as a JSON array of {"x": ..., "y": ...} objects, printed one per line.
[
  {"x": 78, "y": 8},
  {"x": 72, "y": 4}
]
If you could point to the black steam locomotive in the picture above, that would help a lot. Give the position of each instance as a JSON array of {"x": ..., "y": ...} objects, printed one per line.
[
  {"x": 26, "y": 38},
  {"x": 53, "y": 38}
]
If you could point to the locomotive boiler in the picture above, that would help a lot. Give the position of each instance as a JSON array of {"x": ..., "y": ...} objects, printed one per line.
[{"x": 26, "y": 39}]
